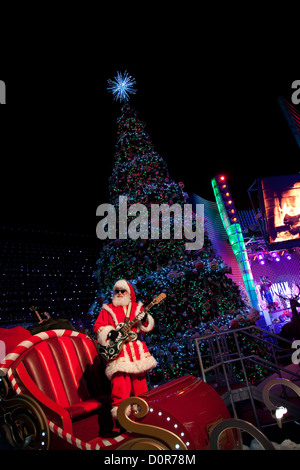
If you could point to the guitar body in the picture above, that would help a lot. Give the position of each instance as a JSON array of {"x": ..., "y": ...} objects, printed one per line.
[
  {"x": 112, "y": 351},
  {"x": 114, "y": 348}
]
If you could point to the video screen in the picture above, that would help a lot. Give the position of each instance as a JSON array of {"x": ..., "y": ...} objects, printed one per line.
[{"x": 281, "y": 199}]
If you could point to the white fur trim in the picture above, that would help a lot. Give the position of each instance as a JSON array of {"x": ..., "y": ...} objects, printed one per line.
[
  {"x": 131, "y": 368},
  {"x": 122, "y": 284},
  {"x": 150, "y": 325},
  {"x": 109, "y": 310},
  {"x": 102, "y": 334},
  {"x": 113, "y": 315},
  {"x": 138, "y": 309},
  {"x": 136, "y": 367}
]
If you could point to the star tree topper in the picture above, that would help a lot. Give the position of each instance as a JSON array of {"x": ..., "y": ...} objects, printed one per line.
[{"x": 122, "y": 86}]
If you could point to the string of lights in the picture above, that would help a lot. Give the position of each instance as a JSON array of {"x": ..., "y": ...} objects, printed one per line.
[{"x": 57, "y": 278}]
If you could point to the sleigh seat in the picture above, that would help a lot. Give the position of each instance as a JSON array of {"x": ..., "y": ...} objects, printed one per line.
[{"x": 61, "y": 369}]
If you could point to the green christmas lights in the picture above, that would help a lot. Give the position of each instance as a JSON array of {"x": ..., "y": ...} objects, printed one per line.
[{"x": 200, "y": 296}]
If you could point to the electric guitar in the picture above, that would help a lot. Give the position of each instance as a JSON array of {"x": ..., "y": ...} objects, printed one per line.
[{"x": 114, "y": 348}]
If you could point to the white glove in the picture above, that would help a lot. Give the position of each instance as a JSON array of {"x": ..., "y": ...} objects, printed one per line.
[{"x": 142, "y": 316}]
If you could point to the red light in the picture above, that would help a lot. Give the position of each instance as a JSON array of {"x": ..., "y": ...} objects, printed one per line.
[
  {"x": 224, "y": 186},
  {"x": 234, "y": 219},
  {"x": 232, "y": 211},
  {"x": 229, "y": 202},
  {"x": 227, "y": 194},
  {"x": 222, "y": 178}
]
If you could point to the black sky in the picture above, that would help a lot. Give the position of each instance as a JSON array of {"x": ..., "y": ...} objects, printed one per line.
[{"x": 206, "y": 114}]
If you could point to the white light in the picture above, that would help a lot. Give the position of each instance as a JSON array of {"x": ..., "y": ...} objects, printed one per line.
[
  {"x": 121, "y": 86},
  {"x": 160, "y": 413},
  {"x": 177, "y": 446},
  {"x": 280, "y": 412},
  {"x": 168, "y": 418}
]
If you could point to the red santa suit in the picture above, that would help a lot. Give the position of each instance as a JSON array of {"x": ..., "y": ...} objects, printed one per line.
[{"x": 128, "y": 371}]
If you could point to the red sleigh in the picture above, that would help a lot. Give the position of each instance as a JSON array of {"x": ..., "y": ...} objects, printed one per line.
[{"x": 58, "y": 374}]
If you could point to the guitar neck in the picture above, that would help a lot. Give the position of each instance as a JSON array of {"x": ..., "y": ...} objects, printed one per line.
[
  {"x": 135, "y": 319},
  {"x": 155, "y": 301}
]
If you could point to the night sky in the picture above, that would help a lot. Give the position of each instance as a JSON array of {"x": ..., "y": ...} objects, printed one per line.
[{"x": 217, "y": 113}]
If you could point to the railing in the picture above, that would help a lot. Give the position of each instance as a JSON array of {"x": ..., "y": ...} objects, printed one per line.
[
  {"x": 222, "y": 360},
  {"x": 217, "y": 352},
  {"x": 220, "y": 354}
]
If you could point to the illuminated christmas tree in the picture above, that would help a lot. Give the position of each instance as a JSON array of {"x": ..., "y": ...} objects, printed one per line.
[{"x": 200, "y": 295}]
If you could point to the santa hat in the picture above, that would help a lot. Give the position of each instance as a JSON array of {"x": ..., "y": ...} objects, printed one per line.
[{"x": 122, "y": 284}]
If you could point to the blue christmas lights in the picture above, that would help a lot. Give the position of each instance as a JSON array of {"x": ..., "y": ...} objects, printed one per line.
[{"x": 121, "y": 86}]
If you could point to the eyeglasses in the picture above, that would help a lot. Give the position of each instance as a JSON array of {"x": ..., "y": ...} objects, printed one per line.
[{"x": 120, "y": 290}]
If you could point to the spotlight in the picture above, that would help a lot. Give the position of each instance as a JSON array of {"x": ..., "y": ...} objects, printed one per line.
[
  {"x": 280, "y": 412},
  {"x": 276, "y": 256},
  {"x": 287, "y": 255}
]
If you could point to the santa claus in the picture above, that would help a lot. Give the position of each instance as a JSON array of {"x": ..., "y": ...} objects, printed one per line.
[{"x": 127, "y": 372}]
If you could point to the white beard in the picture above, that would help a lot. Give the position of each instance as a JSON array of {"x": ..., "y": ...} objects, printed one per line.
[{"x": 120, "y": 301}]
